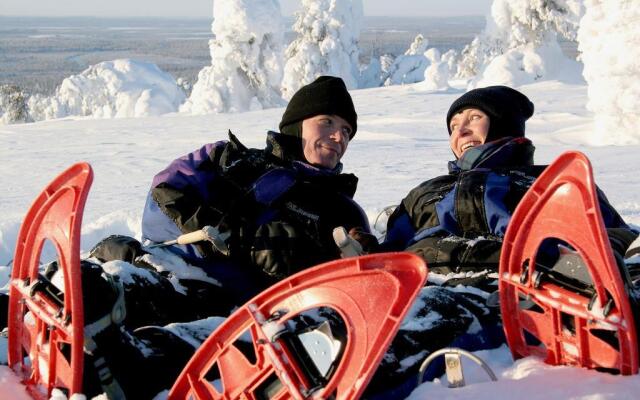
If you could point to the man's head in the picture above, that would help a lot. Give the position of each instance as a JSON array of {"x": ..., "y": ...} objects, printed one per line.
[
  {"x": 487, "y": 114},
  {"x": 321, "y": 114}
]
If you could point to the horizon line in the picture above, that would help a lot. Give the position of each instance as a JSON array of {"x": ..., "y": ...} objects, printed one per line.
[{"x": 201, "y": 17}]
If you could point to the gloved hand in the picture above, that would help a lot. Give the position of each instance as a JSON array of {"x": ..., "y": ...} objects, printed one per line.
[
  {"x": 277, "y": 249},
  {"x": 455, "y": 254},
  {"x": 368, "y": 241}
]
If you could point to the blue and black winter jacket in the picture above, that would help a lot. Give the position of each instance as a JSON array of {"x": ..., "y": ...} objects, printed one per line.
[
  {"x": 456, "y": 222},
  {"x": 278, "y": 210}
]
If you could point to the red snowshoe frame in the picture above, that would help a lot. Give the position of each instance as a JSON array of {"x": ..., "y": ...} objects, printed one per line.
[
  {"x": 46, "y": 337},
  {"x": 371, "y": 293},
  {"x": 563, "y": 204}
]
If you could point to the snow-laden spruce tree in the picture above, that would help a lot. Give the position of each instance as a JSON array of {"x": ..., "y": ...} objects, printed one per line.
[
  {"x": 520, "y": 39},
  {"x": 608, "y": 42},
  {"x": 326, "y": 44},
  {"x": 376, "y": 72},
  {"x": 436, "y": 76},
  {"x": 111, "y": 89},
  {"x": 451, "y": 57},
  {"x": 13, "y": 105},
  {"x": 409, "y": 67},
  {"x": 246, "y": 57}
]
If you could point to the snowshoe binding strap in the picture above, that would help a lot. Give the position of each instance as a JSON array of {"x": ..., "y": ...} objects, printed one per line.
[
  {"x": 46, "y": 333},
  {"x": 258, "y": 354},
  {"x": 585, "y": 319},
  {"x": 117, "y": 314}
]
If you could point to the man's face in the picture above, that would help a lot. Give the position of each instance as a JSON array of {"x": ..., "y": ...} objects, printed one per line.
[
  {"x": 469, "y": 128},
  {"x": 325, "y": 139}
]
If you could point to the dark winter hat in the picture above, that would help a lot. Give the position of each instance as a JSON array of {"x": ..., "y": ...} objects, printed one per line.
[
  {"x": 507, "y": 108},
  {"x": 326, "y": 95}
]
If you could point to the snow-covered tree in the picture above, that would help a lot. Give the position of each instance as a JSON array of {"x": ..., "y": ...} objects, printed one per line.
[
  {"x": 185, "y": 85},
  {"x": 371, "y": 74},
  {"x": 409, "y": 67},
  {"x": 522, "y": 27},
  {"x": 451, "y": 58},
  {"x": 118, "y": 88},
  {"x": 436, "y": 76},
  {"x": 376, "y": 72},
  {"x": 246, "y": 56},
  {"x": 326, "y": 44},
  {"x": 13, "y": 105},
  {"x": 608, "y": 42}
]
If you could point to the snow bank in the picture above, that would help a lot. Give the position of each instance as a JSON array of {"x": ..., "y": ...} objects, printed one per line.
[
  {"x": 246, "y": 59},
  {"x": 608, "y": 41},
  {"x": 111, "y": 89},
  {"x": 327, "y": 44},
  {"x": 114, "y": 223},
  {"x": 532, "y": 379}
]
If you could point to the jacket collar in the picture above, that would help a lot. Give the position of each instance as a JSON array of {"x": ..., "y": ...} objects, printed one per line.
[
  {"x": 501, "y": 153},
  {"x": 281, "y": 150}
]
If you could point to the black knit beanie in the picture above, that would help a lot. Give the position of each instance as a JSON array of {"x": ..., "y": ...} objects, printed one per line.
[
  {"x": 507, "y": 108},
  {"x": 326, "y": 95}
]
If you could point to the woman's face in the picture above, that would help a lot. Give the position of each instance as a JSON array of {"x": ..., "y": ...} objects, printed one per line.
[
  {"x": 325, "y": 139},
  {"x": 469, "y": 128}
]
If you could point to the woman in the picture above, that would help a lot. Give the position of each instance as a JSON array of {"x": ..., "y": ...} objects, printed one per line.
[{"x": 456, "y": 222}]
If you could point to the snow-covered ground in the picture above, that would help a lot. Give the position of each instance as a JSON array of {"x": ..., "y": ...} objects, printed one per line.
[{"x": 401, "y": 141}]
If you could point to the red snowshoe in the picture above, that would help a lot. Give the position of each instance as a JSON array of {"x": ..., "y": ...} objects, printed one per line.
[
  {"x": 371, "y": 294},
  {"x": 575, "y": 310},
  {"x": 46, "y": 327}
]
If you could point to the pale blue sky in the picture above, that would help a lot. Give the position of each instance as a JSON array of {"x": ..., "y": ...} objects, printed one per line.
[{"x": 203, "y": 8}]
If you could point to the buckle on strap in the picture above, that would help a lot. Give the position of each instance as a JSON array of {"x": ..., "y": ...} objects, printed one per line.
[{"x": 115, "y": 316}]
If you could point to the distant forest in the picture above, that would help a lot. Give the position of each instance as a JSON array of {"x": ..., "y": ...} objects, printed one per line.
[{"x": 36, "y": 54}]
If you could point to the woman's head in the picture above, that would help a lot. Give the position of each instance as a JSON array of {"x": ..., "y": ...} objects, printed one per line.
[
  {"x": 322, "y": 115},
  {"x": 487, "y": 114}
]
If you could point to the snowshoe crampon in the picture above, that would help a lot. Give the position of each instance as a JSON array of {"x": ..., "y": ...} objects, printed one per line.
[
  {"x": 586, "y": 319},
  {"x": 371, "y": 294},
  {"x": 45, "y": 325}
]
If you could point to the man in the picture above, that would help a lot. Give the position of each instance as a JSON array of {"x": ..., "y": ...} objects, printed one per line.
[
  {"x": 271, "y": 211},
  {"x": 275, "y": 208}
]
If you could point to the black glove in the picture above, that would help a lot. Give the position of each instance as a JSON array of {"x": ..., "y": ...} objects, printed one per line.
[
  {"x": 368, "y": 242},
  {"x": 277, "y": 249},
  {"x": 454, "y": 254}
]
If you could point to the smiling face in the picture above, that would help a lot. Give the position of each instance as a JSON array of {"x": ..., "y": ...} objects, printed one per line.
[
  {"x": 469, "y": 128},
  {"x": 325, "y": 139}
]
